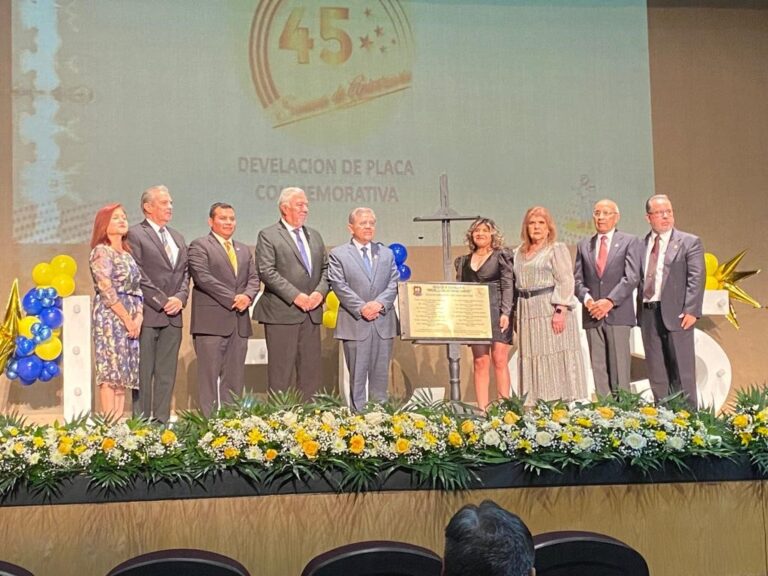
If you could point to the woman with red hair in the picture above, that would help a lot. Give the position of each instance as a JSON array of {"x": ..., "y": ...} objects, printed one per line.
[
  {"x": 550, "y": 364},
  {"x": 117, "y": 309}
]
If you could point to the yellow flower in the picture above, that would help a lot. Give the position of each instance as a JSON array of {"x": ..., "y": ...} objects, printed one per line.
[
  {"x": 325, "y": 427},
  {"x": 559, "y": 415},
  {"x": 698, "y": 440},
  {"x": 108, "y": 444},
  {"x": 762, "y": 430},
  {"x": 682, "y": 422},
  {"x": 38, "y": 442},
  {"x": 402, "y": 445},
  {"x": 310, "y": 448},
  {"x": 631, "y": 423},
  {"x": 762, "y": 416},
  {"x": 746, "y": 438},
  {"x": 684, "y": 414},
  {"x": 80, "y": 449},
  {"x": 454, "y": 439},
  {"x": 495, "y": 423},
  {"x": 541, "y": 422},
  {"x": 168, "y": 437},
  {"x": 255, "y": 436},
  {"x": 473, "y": 438},
  {"x": 302, "y": 436},
  {"x": 219, "y": 442},
  {"x": 18, "y": 447},
  {"x": 740, "y": 421},
  {"x": 606, "y": 412},
  {"x": 467, "y": 427},
  {"x": 577, "y": 438},
  {"x": 270, "y": 454},
  {"x": 234, "y": 423},
  {"x": 397, "y": 429},
  {"x": 511, "y": 418},
  {"x": 566, "y": 437},
  {"x": 342, "y": 432},
  {"x": 13, "y": 431},
  {"x": 585, "y": 422},
  {"x": 648, "y": 411},
  {"x": 652, "y": 422},
  {"x": 420, "y": 424},
  {"x": 525, "y": 445},
  {"x": 660, "y": 435},
  {"x": 273, "y": 423},
  {"x": 356, "y": 444},
  {"x": 445, "y": 420},
  {"x": 142, "y": 432},
  {"x": 430, "y": 438},
  {"x": 231, "y": 452}
]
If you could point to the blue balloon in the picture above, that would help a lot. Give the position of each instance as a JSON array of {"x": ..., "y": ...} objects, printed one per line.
[
  {"x": 400, "y": 252},
  {"x": 47, "y": 302},
  {"x": 31, "y": 303},
  {"x": 11, "y": 374},
  {"x": 40, "y": 293},
  {"x": 51, "y": 292},
  {"x": 59, "y": 302},
  {"x": 45, "y": 376},
  {"x": 35, "y": 328},
  {"x": 24, "y": 346},
  {"x": 27, "y": 382},
  {"x": 13, "y": 365},
  {"x": 405, "y": 271},
  {"x": 52, "y": 317},
  {"x": 51, "y": 367},
  {"x": 29, "y": 368}
]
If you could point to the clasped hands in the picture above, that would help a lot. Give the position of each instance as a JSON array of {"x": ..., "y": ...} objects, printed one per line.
[
  {"x": 308, "y": 302},
  {"x": 599, "y": 309},
  {"x": 371, "y": 310},
  {"x": 241, "y": 302}
]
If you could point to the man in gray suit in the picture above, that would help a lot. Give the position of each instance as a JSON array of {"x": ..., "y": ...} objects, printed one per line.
[
  {"x": 293, "y": 267},
  {"x": 161, "y": 253},
  {"x": 606, "y": 273},
  {"x": 225, "y": 284},
  {"x": 670, "y": 297},
  {"x": 363, "y": 275}
]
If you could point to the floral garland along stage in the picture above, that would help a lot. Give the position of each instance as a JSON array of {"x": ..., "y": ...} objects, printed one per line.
[{"x": 437, "y": 443}]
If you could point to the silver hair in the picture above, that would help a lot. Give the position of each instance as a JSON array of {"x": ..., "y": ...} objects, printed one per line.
[
  {"x": 287, "y": 193},
  {"x": 150, "y": 193},
  {"x": 353, "y": 215}
]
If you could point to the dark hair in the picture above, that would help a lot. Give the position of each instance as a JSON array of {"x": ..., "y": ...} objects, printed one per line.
[
  {"x": 487, "y": 540},
  {"x": 101, "y": 223},
  {"x": 497, "y": 238},
  {"x": 216, "y": 205},
  {"x": 652, "y": 198}
]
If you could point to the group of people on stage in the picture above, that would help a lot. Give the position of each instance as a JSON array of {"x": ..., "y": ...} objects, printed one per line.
[
  {"x": 534, "y": 288},
  {"x": 142, "y": 282}
]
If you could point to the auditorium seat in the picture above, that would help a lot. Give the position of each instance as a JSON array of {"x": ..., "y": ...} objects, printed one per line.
[
  {"x": 375, "y": 558},
  {"x": 577, "y": 553},
  {"x": 8, "y": 569},
  {"x": 180, "y": 561}
]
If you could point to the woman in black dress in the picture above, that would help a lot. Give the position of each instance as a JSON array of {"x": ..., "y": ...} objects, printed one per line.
[{"x": 489, "y": 262}]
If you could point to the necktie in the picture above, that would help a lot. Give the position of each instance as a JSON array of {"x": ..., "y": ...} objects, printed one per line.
[
  {"x": 166, "y": 245},
  {"x": 602, "y": 255},
  {"x": 231, "y": 254},
  {"x": 649, "y": 289},
  {"x": 366, "y": 261},
  {"x": 302, "y": 250}
]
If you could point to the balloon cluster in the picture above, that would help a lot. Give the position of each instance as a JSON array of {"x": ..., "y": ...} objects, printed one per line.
[
  {"x": 38, "y": 345},
  {"x": 331, "y": 310},
  {"x": 401, "y": 254}
]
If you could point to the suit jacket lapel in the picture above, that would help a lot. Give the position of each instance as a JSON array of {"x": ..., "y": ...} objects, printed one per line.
[
  {"x": 357, "y": 258},
  {"x": 288, "y": 237},
  {"x": 155, "y": 239},
  {"x": 615, "y": 248},
  {"x": 669, "y": 256}
]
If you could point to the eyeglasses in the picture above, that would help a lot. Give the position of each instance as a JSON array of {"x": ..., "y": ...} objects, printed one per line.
[
  {"x": 661, "y": 213},
  {"x": 598, "y": 213}
]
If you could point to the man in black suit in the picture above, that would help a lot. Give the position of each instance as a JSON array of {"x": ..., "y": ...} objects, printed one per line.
[
  {"x": 225, "y": 284},
  {"x": 161, "y": 253},
  {"x": 606, "y": 273},
  {"x": 293, "y": 267}
]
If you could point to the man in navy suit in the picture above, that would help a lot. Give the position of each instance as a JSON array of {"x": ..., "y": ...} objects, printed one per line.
[
  {"x": 670, "y": 298},
  {"x": 363, "y": 275},
  {"x": 606, "y": 273},
  {"x": 161, "y": 253},
  {"x": 294, "y": 269},
  {"x": 225, "y": 284}
]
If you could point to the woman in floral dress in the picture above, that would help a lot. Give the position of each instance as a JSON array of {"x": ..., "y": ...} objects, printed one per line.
[
  {"x": 550, "y": 361},
  {"x": 117, "y": 309}
]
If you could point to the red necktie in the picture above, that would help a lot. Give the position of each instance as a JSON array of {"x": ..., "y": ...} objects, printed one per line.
[
  {"x": 602, "y": 255},
  {"x": 649, "y": 289}
]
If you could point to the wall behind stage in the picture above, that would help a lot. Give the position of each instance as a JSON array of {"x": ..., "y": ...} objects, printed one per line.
[{"x": 708, "y": 86}]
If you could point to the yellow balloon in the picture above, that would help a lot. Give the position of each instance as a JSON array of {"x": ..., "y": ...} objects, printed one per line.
[
  {"x": 710, "y": 261},
  {"x": 64, "y": 264},
  {"x": 332, "y": 301},
  {"x": 25, "y": 325},
  {"x": 42, "y": 274},
  {"x": 64, "y": 285},
  {"x": 50, "y": 349},
  {"x": 712, "y": 283},
  {"x": 329, "y": 319}
]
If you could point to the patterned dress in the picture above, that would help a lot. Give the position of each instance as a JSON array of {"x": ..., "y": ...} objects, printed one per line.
[
  {"x": 116, "y": 277},
  {"x": 550, "y": 365},
  {"x": 496, "y": 271}
]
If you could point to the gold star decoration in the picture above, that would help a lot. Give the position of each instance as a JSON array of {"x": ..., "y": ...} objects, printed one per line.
[
  {"x": 726, "y": 277},
  {"x": 10, "y": 327}
]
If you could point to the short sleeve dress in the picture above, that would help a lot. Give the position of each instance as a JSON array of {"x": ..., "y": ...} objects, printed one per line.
[
  {"x": 550, "y": 365},
  {"x": 497, "y": 272},
  {"x": 116, "y": 277}
]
